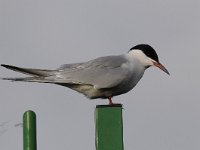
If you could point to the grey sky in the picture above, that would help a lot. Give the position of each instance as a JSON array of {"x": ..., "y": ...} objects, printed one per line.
[{"x": 162, "y": 112}]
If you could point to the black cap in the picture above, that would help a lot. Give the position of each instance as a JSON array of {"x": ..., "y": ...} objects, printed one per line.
[{"x": 147, "y": 50}]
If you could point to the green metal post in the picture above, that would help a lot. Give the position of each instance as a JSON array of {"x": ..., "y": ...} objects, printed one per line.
[
  {"x": 29, "y": 130},
  {"x": 109, "y": 127}
]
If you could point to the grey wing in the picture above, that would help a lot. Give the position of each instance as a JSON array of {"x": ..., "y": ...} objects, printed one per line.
[
  {"x": 103, "y": 72},
  {"x": 69, "y": 66}
]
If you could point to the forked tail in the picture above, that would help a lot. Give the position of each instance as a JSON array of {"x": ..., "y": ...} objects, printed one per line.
[
  {"x": 30, "y": 71},
  {"x": 37, "y": 75}
]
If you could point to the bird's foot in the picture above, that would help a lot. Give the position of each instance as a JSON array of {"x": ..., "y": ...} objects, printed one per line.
[
  {"x": 113, "y": 104},
  {"x": 110, "y": 101}
]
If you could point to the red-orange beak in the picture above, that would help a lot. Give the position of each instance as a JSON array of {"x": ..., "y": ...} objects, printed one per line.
[{"x": 159, "y": 65}]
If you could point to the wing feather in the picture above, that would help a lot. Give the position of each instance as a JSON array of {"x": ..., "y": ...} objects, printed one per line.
[{"x": 103, "y": 72}]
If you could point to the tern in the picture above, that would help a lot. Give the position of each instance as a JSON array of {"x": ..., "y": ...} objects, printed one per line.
[{"x": 103, "y": 77}]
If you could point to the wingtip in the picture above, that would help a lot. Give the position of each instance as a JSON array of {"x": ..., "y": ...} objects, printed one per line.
[
  {"x": 10, "y": 67},
  {"x": 4, "y": 65}
]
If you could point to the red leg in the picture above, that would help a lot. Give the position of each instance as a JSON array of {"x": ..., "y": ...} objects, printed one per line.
[{"x": 110, "y": 100}]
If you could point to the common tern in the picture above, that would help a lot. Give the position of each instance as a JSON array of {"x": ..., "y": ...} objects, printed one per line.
[{"x": 103, "y": 77}]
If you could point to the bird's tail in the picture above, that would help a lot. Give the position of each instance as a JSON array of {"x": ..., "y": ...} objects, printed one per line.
[
  {"x": 37, "y": 75},
  {"x": 31, "y": 79},
  {"x": 30, "y": 71}
]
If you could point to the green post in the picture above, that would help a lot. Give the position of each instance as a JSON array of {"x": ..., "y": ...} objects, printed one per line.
[
  {"x": 29, "y": 130},
  {"x": 109, "y": 127}
]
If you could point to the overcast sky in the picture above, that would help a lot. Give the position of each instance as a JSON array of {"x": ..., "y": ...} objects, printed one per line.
[{"x": 161, "y": 113}]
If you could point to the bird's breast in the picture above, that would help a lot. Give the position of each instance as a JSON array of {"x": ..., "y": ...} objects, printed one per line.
[{"x": 135, "y": 73}]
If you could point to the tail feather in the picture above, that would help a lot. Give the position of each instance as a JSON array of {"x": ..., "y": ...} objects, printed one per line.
[
  {"x": 26, "y": 79},
  {"x": 37, "y": 75},
  {"x": 30, "y": 71},
  {"x": 41, "y": 80},
  {"x": 30, "y": 79}
]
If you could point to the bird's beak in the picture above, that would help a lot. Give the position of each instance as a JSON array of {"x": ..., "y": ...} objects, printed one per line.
[{"x": 159, "y": 65}]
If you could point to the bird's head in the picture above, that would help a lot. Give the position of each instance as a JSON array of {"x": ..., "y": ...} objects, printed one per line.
[{"x": 147, "y": 56}]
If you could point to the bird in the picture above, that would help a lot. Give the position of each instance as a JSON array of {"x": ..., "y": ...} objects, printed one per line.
[{"x": 103, "y": 77}]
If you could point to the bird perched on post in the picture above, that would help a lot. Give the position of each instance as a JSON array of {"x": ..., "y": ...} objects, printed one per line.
[{"x": 103, "y": 77}]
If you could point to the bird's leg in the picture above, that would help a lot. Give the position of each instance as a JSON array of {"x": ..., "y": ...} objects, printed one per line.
[{"x": 110, "y": 100}]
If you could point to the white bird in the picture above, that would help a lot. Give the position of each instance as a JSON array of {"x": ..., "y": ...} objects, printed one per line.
[{"x": 103, "y": 77}]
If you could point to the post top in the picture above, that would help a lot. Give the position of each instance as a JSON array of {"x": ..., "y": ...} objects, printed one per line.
[{"x": 113, "y": 105}]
